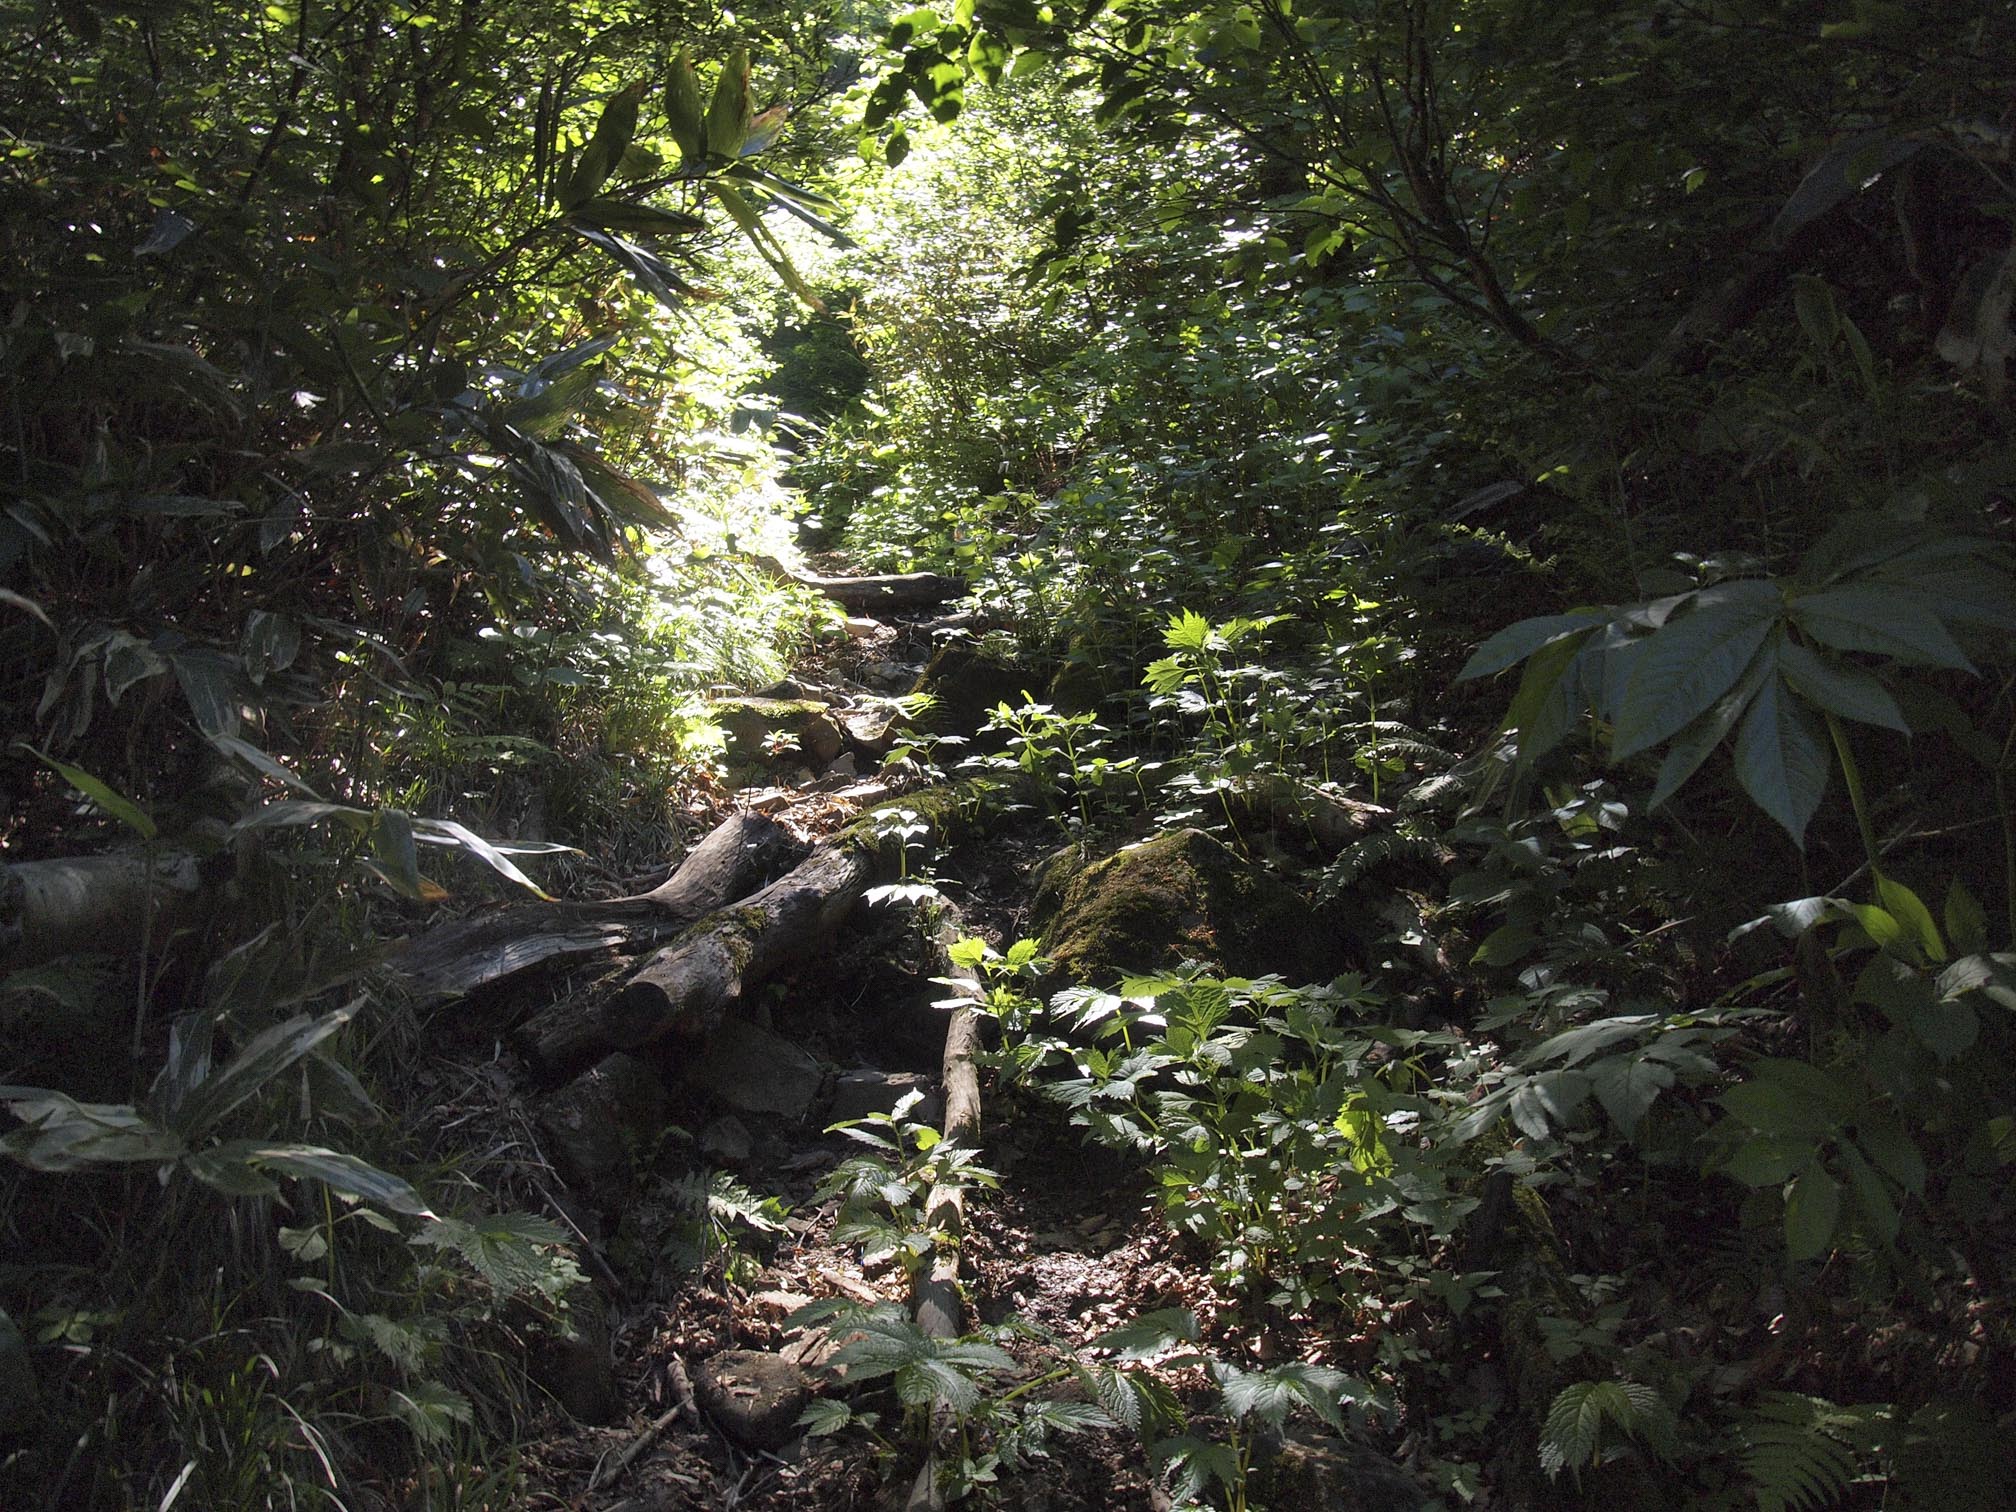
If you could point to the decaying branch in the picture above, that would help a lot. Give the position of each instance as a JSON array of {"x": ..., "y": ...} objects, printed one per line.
[
  {"x": 471, "y": 954},
  {"x": 116, "y": 904},
  {"x": 866, "y": 595}
]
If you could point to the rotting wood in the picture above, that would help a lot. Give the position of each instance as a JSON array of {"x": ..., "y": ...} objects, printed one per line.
[
  {"x": 934, "y": 1296},
  {"x": 114, "y": 904},
  {"x": 685, "y": 990},
  {"x": 469, "y": 955},
  {"x": 901, "y": 590}
]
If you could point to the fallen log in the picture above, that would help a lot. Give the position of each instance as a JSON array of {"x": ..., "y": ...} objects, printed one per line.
[
  {"x": 117, "y": 904},
  {"x": 934, "y": 1294},
  {"x": 468, "y": 955},
  {"x": 687, "y": 988},
  {"x": 901, "y": 590}
]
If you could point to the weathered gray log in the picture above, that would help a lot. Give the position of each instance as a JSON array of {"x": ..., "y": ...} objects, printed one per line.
[
  {"x": 736, "y": 858},
  {"x": 687, "y": 988},
  {"x": 934, "y": 1294},
  {"x": 109, "y": 905},
  {"x": 901, "y": 590}
]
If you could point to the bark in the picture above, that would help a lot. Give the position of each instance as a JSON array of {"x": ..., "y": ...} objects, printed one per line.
[
  {"x": 864, "y": 595},
  {"x": 117, "y": 904},
  {"x": 934, "y": 1295},
  {"x": 687, "y": 988},
  {"x": 471, "y": 954}
]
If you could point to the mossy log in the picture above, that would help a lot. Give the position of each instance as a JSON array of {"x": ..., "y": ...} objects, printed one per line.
[
  {"x": 469, "y": 955},
  {"x": 104, "y": 905},
  {"x": 866, "y": 595}
]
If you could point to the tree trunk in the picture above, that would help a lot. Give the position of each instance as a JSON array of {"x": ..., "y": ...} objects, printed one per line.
[{"x": 468, "y": 955}]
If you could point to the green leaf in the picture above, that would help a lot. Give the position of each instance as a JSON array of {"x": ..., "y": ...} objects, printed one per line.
[
  {"x": 1910, "y": 911},
  {"x": 59, "y": 1133},
  {"x": 252, "y": 1069},
  {"x": 489, "y": 854},
  {"x": 1517, "y": 642},
  {"x": 210, "y": 681},
  {"x": 344, "y": 1174},
  {"x": 1768, "y": 1160},
  {"x": 729, "y": 114},
  {"x": 1872, "y": 1197},
  {"x": 1782, "y": 759},
  {"x": 1694, "y": 744},
  {"x": 124, "y": 809},
  {"x": 1882, "y": 618},
  {"x": 1812, "y": 1213},
  {"x": 1966, "y": 920},
  {"x": 1690, "y": 662},
  {"x": 683, "y": 110},
  {"x": 1839, "y": 688},
  {"x": 1993, "y": 976}
]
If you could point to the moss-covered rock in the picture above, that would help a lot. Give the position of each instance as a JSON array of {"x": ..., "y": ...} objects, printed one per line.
[
  {"x": 762, "y": 730},
  {"x": 965, "y": 685},
  {"x": 1180, "y": 896}
]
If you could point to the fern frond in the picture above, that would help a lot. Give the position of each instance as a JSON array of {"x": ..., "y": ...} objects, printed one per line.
[
  {"x": 1804, "y": 1452},
  {"x": 1374, "y": 851},
  {"x": 1573, "y": 1436}
]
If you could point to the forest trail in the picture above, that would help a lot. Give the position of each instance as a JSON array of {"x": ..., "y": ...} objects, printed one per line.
[{"x": 692, "y": 1380}]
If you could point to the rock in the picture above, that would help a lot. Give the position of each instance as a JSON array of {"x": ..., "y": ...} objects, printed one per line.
[
  {"x": 727, "y": 1141},
  {"x": 602, "y": 1123},
  {"x": 754, "y": 1071},
  {"x": 890, "y": 674},
  {"x": 784, "y": 688},
  {"x": 870, "y": 731},
  {"x": 761, "y": 731},
  {"x": 842, "y": 765},
  {"x": 753, "y": 1396},
  {"x": 1329, "y": 1474},
  {"x": 967, "y": 685},
  {"x": 861, "y": 627},
  {"x": 1180, "y": 896},
  {"x": 856, "y": 1094}
]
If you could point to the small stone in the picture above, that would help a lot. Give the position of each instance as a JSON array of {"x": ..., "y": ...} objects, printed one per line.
[
  {"x": 862, "y": 628},
  {"x": 727, "y": 1140},
  {"x": 783, "y": 1303},
  {"x": 842, "y": 765},
  {"x": 1329, "y": 1474},
  {"x": 755, "y": 1397},
  {"x": 784, "y": 688},
  {"x": 856, "y": 1094},
  {"x": 751, "y": 1070}
]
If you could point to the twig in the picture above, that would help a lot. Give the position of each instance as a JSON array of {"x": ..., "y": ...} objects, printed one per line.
[{"x": 682, "y": 1402}]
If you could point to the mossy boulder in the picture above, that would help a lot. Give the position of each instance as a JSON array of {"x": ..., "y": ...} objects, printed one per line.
[
  {"x": 1181, "y": 896},
  {"x": 966, "y": 684},
  {"x": 762, "y": 730}
]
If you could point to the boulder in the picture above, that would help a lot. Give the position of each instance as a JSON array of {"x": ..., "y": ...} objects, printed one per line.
[
  {"x": 755, "y": 1397},
  {"x": 1180, "y": 896},
  {"x": 763, "y": 731},
  {"x": 575, "y": 1367},
  {"x": 600, "y": 1125},
  {"x": 966, "y": 684},
  {"x": 753, "y": 1071},
  {"x": 856, "y": 1094}
]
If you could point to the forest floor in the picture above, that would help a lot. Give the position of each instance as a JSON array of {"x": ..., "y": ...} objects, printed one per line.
[{"x": 1070, "y": 1242}]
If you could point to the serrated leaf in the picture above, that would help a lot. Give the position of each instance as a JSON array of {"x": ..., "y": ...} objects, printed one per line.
[
  {"x": 1882, "y": 618},
  {"x": 1690, "y": 662},
  {"x": 1782, "y": 759},
  {"x": 1151, "y": 1334},
  {"x": 1627, "y": 1086},
  {"x": 1966, "y": 921},
  {"x": 1839, "y": 688}
]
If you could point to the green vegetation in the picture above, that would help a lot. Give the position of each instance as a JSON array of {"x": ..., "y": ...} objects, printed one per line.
[{"x": 1530, "y": 481}]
